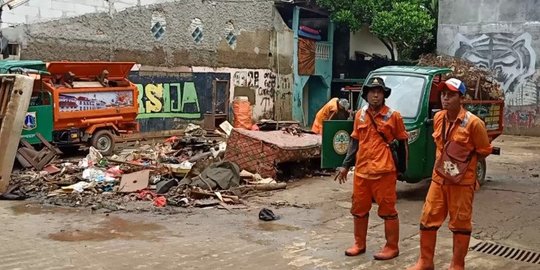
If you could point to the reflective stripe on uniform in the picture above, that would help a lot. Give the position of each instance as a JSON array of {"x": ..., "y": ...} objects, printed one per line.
[
  {"x": 466, "y": 119},
  {"x": 363, "y": 113},
  {"x": 386, "y": 117}
]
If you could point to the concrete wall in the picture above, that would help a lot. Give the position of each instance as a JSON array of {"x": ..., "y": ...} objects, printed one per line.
[
  {"x": 203, "y": 33},
  {"x": 365, "y": 41},
  {"x": 45, "y": 10},
  {"x": 503, "y": 35}
]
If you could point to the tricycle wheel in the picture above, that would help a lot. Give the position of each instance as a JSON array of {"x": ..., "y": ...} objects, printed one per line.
[
  {"x": 103, "y": 141},
  {"x": 481, "y": 171}
]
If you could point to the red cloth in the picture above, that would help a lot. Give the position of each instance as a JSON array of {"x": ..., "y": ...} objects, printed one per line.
[{"x": 160, "y": 201}]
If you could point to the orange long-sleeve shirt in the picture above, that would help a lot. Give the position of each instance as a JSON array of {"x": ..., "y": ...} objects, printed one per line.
[
  {"x": 324, "y": 114},
  {"x": 472, "y": 133},
  {"x": 374, "y": 156}
]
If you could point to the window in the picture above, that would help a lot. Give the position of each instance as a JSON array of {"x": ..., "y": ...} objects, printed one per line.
[
  {"x": 406, "y": 93},
  {"x": 13, "y": 49}
]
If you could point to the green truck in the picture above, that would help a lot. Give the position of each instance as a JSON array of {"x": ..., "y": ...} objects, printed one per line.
[
  {"x": 414, "y": 96},
  {"x": 36, "y": 109}
]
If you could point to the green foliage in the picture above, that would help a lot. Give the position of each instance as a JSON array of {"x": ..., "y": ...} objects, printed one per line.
[
  {"x": 407, "y": 24},
  {"x": 354, "y": 13}
]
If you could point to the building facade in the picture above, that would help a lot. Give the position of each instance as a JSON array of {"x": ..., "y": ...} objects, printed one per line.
[{"x": 181, "y": 48}]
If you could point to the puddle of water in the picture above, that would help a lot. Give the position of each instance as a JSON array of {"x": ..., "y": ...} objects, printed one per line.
[
  {"x": 272, "y": 227},
  {"x": 250, "y": 238},
  {"x": 111, "y": 228},
  {"x": 37, "y": 209}
]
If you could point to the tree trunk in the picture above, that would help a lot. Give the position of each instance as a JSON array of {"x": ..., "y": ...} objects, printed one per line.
[{"x": 390, "y": 48}]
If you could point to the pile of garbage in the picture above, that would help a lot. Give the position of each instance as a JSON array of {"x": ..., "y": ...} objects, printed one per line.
[
  {"x": 186, "y": 171},
  {"x": 480, "y": 82}
]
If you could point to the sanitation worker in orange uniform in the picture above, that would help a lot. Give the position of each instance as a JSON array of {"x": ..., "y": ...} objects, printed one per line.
[
  {"x": 335, "y": 109},
  {"x": 375, "y": 174},
  {"x": 445, "y": 196}
]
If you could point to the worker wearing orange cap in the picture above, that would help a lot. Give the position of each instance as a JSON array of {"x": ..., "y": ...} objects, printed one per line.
[
  {"x": 457, "y": 132},
  {"x": 335, "y": 109},
  {"x": 375, "y": 175}
]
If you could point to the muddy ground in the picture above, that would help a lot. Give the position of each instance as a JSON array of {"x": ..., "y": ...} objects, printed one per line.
[{"x": 313, "y": 230}]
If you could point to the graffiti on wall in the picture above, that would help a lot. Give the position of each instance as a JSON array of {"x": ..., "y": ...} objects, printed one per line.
[
  {"x": 263, "y": 83},
  {"x": 165, "y": 100},
  {"x": 267, "y": 86},
  {"x": 185, "y": 97},
  {"x": 168, "y": 100},
  {"x": 510, "y": 56},
  {"x": 520, "y": 118}
]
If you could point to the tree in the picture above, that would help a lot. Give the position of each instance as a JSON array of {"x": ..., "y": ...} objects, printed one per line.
[{"x": 404, "y": 25}]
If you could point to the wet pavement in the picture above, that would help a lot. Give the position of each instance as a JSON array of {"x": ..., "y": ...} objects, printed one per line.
[{"x": 313, "y": 230}]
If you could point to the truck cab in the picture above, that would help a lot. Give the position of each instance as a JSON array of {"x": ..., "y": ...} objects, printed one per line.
[
  {"x": 416, "y": 96},
  {"x": 39, "y": 117}
]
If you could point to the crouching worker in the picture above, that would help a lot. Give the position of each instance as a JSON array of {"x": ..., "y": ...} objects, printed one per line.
[
  {"x": 335, "y": 109},
  {"x": 376, "y": 126}
]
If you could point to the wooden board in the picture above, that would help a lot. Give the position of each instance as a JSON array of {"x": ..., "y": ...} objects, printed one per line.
[
  {"x": 17, "y": 90},
  {"x": 306, "y": 56}
]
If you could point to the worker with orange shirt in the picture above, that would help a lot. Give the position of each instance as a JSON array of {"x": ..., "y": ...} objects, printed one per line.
[
  {"x": 457, "y": 132},
  {"x": 375, "y": 174},
  {"x": 335, "y": 109}
]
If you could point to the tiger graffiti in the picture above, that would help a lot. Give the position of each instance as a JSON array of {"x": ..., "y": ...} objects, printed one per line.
[{"x": 510, "y": 56}]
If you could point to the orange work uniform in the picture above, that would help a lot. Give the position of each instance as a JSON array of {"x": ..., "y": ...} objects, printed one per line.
[
  {"x": 325, "y": 113},
  {"x": 443, "y": 197},
  {"x": 375, "y": 172}
]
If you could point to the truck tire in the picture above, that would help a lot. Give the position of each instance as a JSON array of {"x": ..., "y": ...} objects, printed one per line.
[
  {"x": 481, "y": 171},
  {"x": 103, "y": 141}
]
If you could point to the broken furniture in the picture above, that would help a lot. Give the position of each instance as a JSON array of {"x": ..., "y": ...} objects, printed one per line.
[
  {"x": 260, "y": 152},
  {"x": 28, "y": 156}
]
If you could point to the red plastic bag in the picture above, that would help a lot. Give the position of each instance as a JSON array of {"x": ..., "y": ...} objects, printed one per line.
[{"x": 160, "y": 201}]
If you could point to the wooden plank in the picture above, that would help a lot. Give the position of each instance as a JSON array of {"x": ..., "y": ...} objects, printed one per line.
[
  {"x": 306, "y": 56},
  {"x": 47, "y": 144},
  {"x": 6, "y": 88},
  {"x": 12, "y": 124},
  {"x": 26, "y": 144},
  {"x": 30, "y": 159}
]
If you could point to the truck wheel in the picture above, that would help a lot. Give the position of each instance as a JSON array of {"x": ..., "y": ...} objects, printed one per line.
[
  {"x": 103, "y": 141},
  {"x": 481, "y": 171}
]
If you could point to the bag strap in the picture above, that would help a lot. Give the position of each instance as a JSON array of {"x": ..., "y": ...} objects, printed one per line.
[
  {"x": 444, "y": 131},
  {"x": 462, "y": 124},
  {"x": 375, "y": 126}
]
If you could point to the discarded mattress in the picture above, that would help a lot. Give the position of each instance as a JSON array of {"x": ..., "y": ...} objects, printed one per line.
[{"x": 260, "y": 151}]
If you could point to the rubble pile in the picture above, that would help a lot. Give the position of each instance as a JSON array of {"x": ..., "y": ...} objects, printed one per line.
[
  {"x": 294, "y": 130},
  {"x": 186, "y": 171},
  {"x": 480, "y": 82}
]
